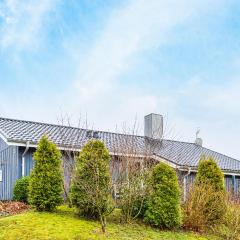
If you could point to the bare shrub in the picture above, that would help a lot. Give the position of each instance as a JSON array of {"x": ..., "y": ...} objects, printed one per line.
[
  {"x": 70, "y": 151},
  {"x": 229, "y": 229},
  {"x": 132, "y": 189},
  {"x": 202, "y": 206},
  {"x": 130, "y": 165}
]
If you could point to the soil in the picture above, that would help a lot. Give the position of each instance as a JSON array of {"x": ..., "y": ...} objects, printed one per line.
[{"x": 12, "y": 208}]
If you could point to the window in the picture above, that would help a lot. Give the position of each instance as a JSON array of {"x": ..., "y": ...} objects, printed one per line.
[{"x": 1, "y": 175}]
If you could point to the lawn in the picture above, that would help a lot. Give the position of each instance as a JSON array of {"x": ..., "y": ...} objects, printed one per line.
[{"x": 63, "y": 224}]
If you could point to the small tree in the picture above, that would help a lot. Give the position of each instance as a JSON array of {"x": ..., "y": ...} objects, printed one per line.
[
  {"x": 163, "y": 208},
  {"x": 91, "y": 188},
  {"x": 46, "y": 179},
  {"x": 20, "y": 191},
  {"x": 210, "y": 173}
]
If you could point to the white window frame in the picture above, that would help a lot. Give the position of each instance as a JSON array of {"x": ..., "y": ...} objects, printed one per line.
[{"x": 1, "y": 175}]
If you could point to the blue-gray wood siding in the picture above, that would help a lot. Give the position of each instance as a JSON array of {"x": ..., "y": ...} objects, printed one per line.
[
  {"x": 232, "y": 183},
  {"x": 238, "y": 186},
  {"x": 29, "y": 162},
  {"x": 228, "y": 183},
  {"x": 68, "y": 161},
  {"x": 9, "y": 165}
]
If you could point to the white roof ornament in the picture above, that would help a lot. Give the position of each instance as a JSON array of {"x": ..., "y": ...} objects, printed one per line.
[
  {"x": 198, "y": 140},
  {"x": 197, "y": 133}
]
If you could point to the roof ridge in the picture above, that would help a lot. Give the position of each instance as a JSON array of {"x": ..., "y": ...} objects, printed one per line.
[{"x": 178, "y": 141}]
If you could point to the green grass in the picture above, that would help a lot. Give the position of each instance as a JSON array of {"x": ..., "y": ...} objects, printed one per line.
[{"x": 63, "y": 224}]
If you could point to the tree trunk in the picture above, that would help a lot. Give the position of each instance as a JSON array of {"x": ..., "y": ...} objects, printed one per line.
[{"x": 103, "y": 223}]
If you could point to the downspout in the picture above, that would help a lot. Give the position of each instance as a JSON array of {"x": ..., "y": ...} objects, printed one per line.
[
  {"x": 23, "y": 158},
  {"x": 185, "y": 185}
]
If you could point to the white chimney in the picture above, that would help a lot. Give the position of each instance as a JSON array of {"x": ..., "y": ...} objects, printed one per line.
[{"x": 153, "y": 126}]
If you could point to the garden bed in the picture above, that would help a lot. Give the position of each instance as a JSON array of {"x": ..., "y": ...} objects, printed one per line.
[{"x": 12, "y": 208}]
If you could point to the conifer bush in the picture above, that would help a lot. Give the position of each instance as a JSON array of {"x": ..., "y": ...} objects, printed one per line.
[
  {"x": 46, "y": 179},
  {"x": 139, "y": 207},
  {"x": 163, "y": 207},
  {"x": 91, "y": 190},
  {"x": 20, "y": 191},
  {"x": 210, "y": 173}
]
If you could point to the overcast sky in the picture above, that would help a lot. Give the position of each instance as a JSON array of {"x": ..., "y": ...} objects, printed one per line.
[{"x": 113, "y": 61}]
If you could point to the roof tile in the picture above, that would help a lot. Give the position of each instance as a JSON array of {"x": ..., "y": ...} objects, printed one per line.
[{"x": 181, "y": 153}]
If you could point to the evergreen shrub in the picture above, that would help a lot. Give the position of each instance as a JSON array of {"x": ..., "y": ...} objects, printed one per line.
[
  {"x": 163, "y": 206},
  {"x": 46, "y": 179},
  {"x": 20, "y": 191}
]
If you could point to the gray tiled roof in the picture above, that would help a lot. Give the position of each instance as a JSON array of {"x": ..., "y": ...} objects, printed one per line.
[
  {"x": 180, "y": 153},
  {"x": 188, "y": 154}
]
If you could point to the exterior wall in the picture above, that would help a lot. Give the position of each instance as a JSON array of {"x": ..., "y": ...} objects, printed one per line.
[
  {"x": 68, "y": 167},
  {"x": 12, "y": 169},
  {"x": 29, "y": 163},
  {"x": 9, "y": 167},
  {"x": 238, "y": 186},
  {"x": 232, "y": 183},
  {"x": 228, "y": 183},
  {"x": 186, "y": 181},
  {"x": 190, "y": 179}
]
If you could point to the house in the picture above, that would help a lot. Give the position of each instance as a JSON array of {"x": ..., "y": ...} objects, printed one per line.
[{"x": 19, "y": 139}]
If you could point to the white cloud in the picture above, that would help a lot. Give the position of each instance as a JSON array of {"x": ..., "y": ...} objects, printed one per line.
[
  {"x": 215, "y": 109},
  {"x": 23, "y": 23},
  {"x": 226, "y": 97},
  {"x": 131, "y": 29},
  {"x": 98, "y": 89},
  {"x": 137, "y": 26},
  {"x": 220, "y": 96}
]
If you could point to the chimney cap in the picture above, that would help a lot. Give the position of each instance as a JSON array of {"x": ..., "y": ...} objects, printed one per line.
[{"x": 154, "y": 114}]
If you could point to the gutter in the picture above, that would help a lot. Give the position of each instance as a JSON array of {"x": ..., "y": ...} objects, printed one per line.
[
  {"x": 23, "y": 158},
  {"x": 154, "y": 155}
]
